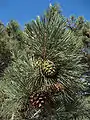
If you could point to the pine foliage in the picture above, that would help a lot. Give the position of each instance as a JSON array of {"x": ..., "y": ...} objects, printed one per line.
[
  {"x": 47, "y": 69},
  {"x": 5, "y": 54}
]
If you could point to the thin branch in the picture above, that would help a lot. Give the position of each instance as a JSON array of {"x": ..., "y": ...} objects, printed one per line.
[
  {"x": 36, "y": 113},
  {"x": 12, "y": 118}
]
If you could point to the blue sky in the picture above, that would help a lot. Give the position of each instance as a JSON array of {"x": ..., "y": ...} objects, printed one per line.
[{"x": 25, "y": 10}]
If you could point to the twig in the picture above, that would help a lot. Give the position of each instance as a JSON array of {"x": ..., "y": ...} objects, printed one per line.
[
  {"x": 36, "y": 113},
  {"x": 12, "y": 118}
]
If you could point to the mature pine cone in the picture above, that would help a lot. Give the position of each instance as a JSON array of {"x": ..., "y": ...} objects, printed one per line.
[{"x": 39, "y": 99}]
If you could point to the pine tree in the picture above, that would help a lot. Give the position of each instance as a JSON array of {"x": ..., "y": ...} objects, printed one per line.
[
  {"x": 86, "y": 50},
  {"x": 43, "y": 80},
  {"x": 81, "y": 29},
  {"x": 76, "y": 25},
  {"x": 5, "y": 54},
  {"x": 10, "y": 45}
]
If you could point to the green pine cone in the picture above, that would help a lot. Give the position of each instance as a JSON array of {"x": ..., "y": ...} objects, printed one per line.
[{"x": 48, "y": 68}]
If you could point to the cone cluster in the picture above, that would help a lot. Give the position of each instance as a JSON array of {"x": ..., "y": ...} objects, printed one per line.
[{"x": 48, "y": 69}]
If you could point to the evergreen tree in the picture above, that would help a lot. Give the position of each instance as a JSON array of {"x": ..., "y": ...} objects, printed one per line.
[
  {"x": 76, "y": 25},
  {"x": 43, "y": 80},
  {"x": 86, "y": 50},
  {"x": 10, "y": 45},
  {"x": 5, "y": 54},
  {"x": 81, "y": 29}
]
